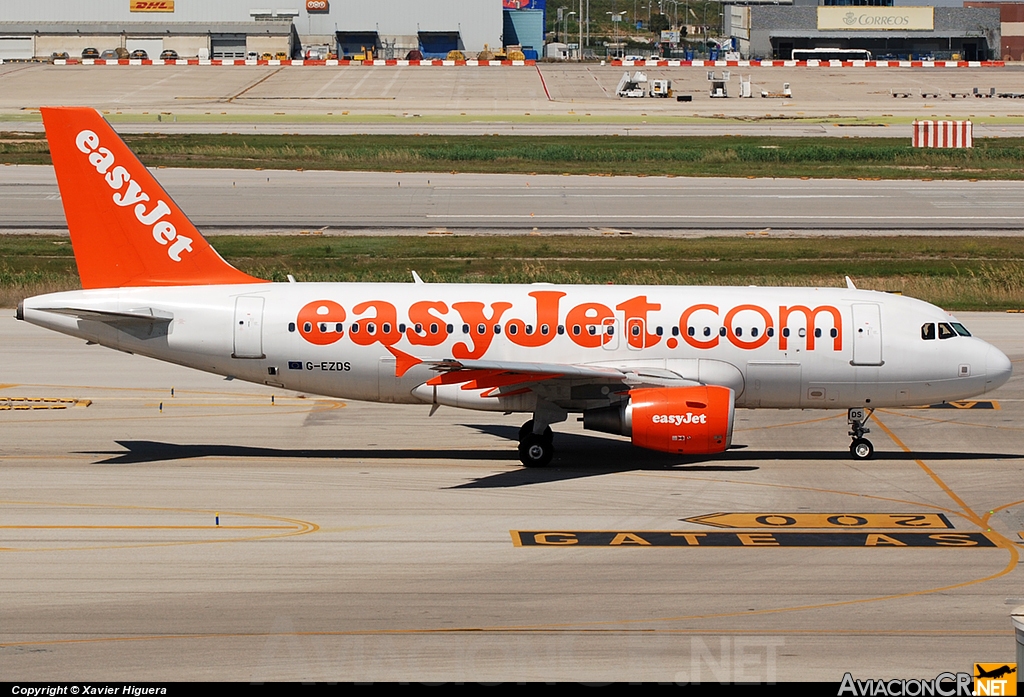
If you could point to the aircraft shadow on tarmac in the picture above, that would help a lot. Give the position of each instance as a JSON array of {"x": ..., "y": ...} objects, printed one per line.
[{"x": 577, "y": 456}]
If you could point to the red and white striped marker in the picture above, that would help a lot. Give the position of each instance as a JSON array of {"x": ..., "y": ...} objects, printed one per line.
[{"x": 943, "y": 134}]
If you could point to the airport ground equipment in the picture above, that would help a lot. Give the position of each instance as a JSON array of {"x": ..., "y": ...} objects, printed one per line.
[
  {"x": 786, "y": 93},
  {"x": 632, "y": 86},
  {"x": 661, "y": 88},
  {"x": 718, "y": 84}
]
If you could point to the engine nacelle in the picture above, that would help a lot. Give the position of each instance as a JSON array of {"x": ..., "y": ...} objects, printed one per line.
[{"x": 693, "y": 420}]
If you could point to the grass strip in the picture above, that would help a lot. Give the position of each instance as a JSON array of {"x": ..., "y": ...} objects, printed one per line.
[
  {"x": 958, "y": 273},
  {"x": 728, "y": 156}
]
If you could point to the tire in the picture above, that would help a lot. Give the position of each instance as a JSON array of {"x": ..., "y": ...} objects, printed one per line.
[
  {"x": 527, "y": 430},
  {"x": 861, "y": 449},
  {"x": 535, "y": 451}
]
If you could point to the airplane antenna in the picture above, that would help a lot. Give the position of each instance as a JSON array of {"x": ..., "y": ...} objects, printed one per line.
[
  {"x": 849, "y": 283},
  {"x": 416, "y": 278}
]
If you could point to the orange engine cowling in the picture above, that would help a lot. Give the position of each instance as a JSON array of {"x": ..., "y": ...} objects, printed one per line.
[{"x": 693, "y": 420}]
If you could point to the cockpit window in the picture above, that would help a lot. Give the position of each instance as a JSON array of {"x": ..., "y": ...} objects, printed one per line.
[
  {"x": 946, "y": 331},
  {"x": 960, "y": 329},
  {"x": 928, "y": 331}
]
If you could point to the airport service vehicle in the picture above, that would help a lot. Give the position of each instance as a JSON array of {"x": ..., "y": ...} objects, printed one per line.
[{"x": 666, "y": 366}]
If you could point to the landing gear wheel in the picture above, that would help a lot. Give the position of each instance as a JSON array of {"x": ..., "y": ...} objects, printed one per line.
[
  {"x": 535, "y": 451},
  {"x": 527, "y": 430},
  {"x": 861, "y": 449}
]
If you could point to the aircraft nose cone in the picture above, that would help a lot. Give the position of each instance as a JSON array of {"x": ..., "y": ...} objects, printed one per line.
[{"x": 997, "y": 368}]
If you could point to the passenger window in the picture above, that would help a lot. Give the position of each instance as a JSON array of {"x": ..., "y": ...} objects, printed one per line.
[
  {"x": 928, "y": 331},
  {"x": 946, "y": 331},
  {"x": 291, "y": 326}
]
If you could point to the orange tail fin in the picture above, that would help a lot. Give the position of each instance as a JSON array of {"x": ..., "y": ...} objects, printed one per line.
[{"x": 125, "y": 229}]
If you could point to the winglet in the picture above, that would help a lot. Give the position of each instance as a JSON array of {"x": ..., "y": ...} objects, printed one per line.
[{"x": 125, "y": 229}]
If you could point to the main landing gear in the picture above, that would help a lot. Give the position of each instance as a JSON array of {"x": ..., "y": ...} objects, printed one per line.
[
  {"x": 535, "y": 449},
  {"x": 861, "y": 447}
]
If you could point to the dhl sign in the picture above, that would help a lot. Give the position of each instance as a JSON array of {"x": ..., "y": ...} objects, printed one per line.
[{"x": 151, "y": 5}]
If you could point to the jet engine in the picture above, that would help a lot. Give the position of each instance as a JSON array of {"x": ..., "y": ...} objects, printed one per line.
[{"x": 693, "y": 420}]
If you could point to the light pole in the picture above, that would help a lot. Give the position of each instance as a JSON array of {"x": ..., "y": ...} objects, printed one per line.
[
  {"x": 566, "y": 26},
  {"x": 616, "y": 18},
  {"x": 581, "y": 31}
]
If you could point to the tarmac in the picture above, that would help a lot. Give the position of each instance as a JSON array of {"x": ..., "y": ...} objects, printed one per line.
[
  {"x": 163, "y": 524},
  {"x": 334, "y": 203},
  {"x": 575, "y": 98}
]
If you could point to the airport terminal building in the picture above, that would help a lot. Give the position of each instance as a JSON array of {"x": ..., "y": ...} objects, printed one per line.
[
  {"x": 886, "y": 29},
  {"x": 233, "y": 28}
]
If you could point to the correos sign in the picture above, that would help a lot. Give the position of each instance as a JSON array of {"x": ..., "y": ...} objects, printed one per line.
[{"x": 875, "y": 18}]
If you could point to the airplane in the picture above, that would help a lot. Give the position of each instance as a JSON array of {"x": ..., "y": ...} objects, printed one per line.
[
  {"x": 995, "y": 672},
  {"x": 666, "y": 366}
]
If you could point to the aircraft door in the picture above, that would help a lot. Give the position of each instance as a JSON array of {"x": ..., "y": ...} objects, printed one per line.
[
  {"x": 867, "y": 334},
  {"x": 248, "y": 327}
]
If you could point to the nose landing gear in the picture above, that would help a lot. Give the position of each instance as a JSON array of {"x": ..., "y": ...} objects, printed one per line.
[{"x": 861, "y": 448}]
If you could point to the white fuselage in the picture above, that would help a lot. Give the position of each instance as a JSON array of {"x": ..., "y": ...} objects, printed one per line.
[{"x": 824, "y": 348}]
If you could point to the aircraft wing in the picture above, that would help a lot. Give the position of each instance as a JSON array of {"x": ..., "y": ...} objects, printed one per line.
[{"x": 548, "y": 370}]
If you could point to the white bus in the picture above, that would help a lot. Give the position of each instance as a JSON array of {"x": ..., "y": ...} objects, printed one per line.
[{"x": 831, "y": 54}]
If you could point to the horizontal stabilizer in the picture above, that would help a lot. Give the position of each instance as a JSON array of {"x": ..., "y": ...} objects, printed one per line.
[{"x": 143, "y": 323}]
